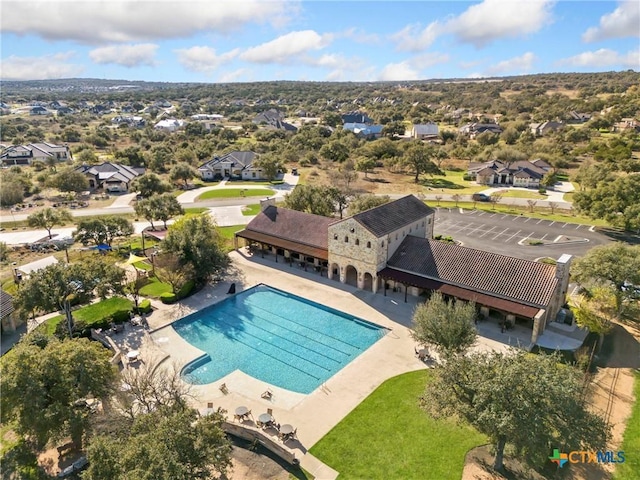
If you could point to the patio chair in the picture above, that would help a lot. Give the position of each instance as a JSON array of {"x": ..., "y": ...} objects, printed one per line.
[
  {"x": 223, "y": 388},
  {"x": 267, "y": 394}
]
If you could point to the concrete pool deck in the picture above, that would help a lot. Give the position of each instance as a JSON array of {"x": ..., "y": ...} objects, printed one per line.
[{"x": 318, "y": 412}]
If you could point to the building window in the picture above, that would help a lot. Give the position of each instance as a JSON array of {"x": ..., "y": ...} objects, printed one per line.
[
  {"x": 346, "y": 239},
  {"x": 335, "y": 236},
  {"x": 357, "y": 241},
  {"x": 253, "y": 174},
  {"x": 396, "y": 236},
  {"x": 429, "y": 221},
  {"x": 368, "y": 244},
  {"x": 382, "y": 244},
  {"x": 423, "y": 223}
]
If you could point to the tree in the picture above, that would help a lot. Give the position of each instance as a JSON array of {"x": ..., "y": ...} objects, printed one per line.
[
  {"x": 169, "y": 269},
  {"x": 438, "y": 199},
  {"x": 196, "y": 242},
  {"x": 42, "y": 381},
  {"x": 596, "y": 310},
  {"x": 270, "y": 165},
  {"x": 549, "y": 179},
  {"x": 335, "y": 151},
  {"x": 57, "y": 286},
  {"x": 49, "y": 218},
  {"x": 164, "y": 207},
  {"x": 69, "y": 181},
  {"x": 361, "y": 203},
  {"x": 311, "y": 199},
  {"x": 365, "y": 164},
  {"x": 143, "y": 208},
  {"x": 11, "y": 193},
  {"x": 552, "y": 207},
  {"x": 418, "y": 158},
  {"x": 529, "y": 401},
  {"x": 170, "y": 443},
  {"x": 449, "y": 326},
  {"x": 615, "y": 265},
  {"x": 393, "y": 129},
  {"x": 456, "y": 197},
  {"x": 615, "y": 201},
  {"x": 148, "y": 184},
  {"x": 181, "y": 172},
  {"x": 495, "y": 198},
  {"x": 531, "y": 204},
  {"x": 103, "y": 230}
]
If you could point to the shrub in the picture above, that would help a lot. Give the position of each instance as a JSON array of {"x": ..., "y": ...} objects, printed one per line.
[
  {"x": 144, "y": 306},
  {"x": 467, "y": 177},
  {"x": 119, "y": 316},
  {"x": 542, "y": 190},
  {"x": 168, "y": 297},
  {"x": 186, "y": 290},
  {"x": 535, "y": 242}
]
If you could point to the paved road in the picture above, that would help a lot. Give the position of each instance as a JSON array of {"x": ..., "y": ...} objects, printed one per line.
[{"x": 510, "y": 234}]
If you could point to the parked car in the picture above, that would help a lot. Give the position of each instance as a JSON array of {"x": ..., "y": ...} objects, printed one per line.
[
  {"x": 480, "y": 197},
  {"x": 75, "y": 467}
]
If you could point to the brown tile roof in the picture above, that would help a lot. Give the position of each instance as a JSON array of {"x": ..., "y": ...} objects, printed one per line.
[
  {"x": 459, "y": 292},
  {"x": 294, "y": 226},
  {"x": 477, "y": 270},
  {"x": 391, "y": 216},
  {"x": 6, "y": 304}
]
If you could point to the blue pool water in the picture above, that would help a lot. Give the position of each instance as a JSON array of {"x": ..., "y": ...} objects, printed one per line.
[{"x": 276, "y": 337}]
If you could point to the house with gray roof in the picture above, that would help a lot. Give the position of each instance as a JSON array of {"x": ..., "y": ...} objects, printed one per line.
[
  {"x": 236, "y": 165},
  {"x": 41, "y": 151},
  {"x": 110, "y": 177},
  {"x": 427, "y": 131},
  {"x": 392, "y": 247},
  {"x": 517, "y": 174}
]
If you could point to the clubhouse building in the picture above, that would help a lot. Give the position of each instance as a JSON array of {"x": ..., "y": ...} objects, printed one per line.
[{"x": 391, "y": 247}]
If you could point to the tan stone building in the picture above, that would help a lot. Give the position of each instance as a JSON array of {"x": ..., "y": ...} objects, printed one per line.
[{"x": 391, "y": 248}]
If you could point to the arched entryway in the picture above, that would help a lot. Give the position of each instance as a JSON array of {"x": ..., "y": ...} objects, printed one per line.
[
  {"x": 334, "y": 272},
  {"x": 367, "y": 283},
  {"x": 351, "y": 276}
]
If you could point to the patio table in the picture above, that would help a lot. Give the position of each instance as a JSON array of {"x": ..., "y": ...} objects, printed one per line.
[{"x": 242, "y": 411}]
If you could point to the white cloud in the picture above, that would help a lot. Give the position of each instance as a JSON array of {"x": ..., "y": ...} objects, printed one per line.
[
  {"x": 203, "y": 59},
  {"x": 604, "y": 58},
  {"x": 287, "y": 48},
  {"x": 116, "y": 21},
  {"x": 126, "y": 55},
  {"x": 623, "y": 22},
  {"x": 480, "y": 24},
  {"x": 398, "y": 71},
  {"x": 358, "y": 35},
  {"x": 429, "y": 59},
  {"x": 521, "y": 64},
  {"x": 412, "y": 39},
  {"x": 40, "y": 68}
]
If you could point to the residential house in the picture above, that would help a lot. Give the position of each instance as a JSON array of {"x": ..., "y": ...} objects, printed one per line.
[
  {"x": 130, "y": 120},
  {"x": 169, "y": 125},
  {"x": 356, "y": 117},
  {"x": 518, "y": 174},
  {"x": 544, "y": 128},
  {"x": 39, "y": 110},
  {"x": 42, "y": 151},
  {"x": 474, "y": 129},
  {"x": 627, "y": 124},
  {"x": 578, "y": 117},
  {"x": 361, "y": 130},
  {"x": 274, "y": 119},
  {"x": 428, "y": 131},
  {"x": 110, "y": 177},
  {"x": 236, "y": 165},
  {"x": 391, "y": 248}
]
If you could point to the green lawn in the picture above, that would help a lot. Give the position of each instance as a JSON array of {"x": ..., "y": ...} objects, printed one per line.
[
  {"x": 236, "y": 192},
  {"x": 266, "y": 183},
  {"x": 91, "y": 314},
  {"x": 522, "y": 194},
  {"x": 10, "y": 287},
  {"x": 630, "y": 469},
  {"x": 389, "y": 436},
  {"x": 568, "y": 197},
  {"x": 538, "y": 212},
  {"x": 451, "y": 182},
  {"x": 155, "y": 288},
  {"x": 228, "y": 232},
  {"x": 142, "y": 265},
  {"x": 250, "y": 210}
]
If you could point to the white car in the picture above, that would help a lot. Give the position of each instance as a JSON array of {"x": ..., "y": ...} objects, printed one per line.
[{"x": 75, "y": 467}]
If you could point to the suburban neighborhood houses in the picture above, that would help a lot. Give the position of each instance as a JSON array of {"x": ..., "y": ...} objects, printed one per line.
[{"x": 314, "y": 279}]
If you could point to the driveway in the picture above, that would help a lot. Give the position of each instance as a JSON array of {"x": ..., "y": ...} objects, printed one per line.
[{"x": 228, "y": 216}]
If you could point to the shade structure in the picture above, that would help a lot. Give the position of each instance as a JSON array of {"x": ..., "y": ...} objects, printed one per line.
[
  {"x": 134, "y": 259},
  {"x": 102, "y": 247}
]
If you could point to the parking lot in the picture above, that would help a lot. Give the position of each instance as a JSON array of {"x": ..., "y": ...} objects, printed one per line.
[{"x": 512, "y": 234}]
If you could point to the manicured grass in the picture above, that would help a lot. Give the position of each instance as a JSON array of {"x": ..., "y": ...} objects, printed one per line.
[
  {"x": 250, "y": 210},
  {"x": 389, "y": 436},
  {"x": 266, "y": 183},
  {"x": 155, "y": 288},
  {"x": 91, "y": 314},
  {"x": 142, "y": 265},
  {"x": 522, "y": 194},
  {"x": 236, "y": 192},
  {"x": 228, "y": 232},
  {"x": 568, "y": 197},
  {"x": 452, "y": 182},
  {"x": 630, "y": 469},
  {"x": 10, "y": 287},
  {"x": 544, "y": 214}
]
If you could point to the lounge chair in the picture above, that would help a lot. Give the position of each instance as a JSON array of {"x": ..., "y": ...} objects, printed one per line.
[
  {"x": 267, "y": 394},
  {"x": 223, "y": 388}
]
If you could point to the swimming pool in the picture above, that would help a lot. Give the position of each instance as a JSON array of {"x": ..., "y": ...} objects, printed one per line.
[{"x": 276, "y": 337}]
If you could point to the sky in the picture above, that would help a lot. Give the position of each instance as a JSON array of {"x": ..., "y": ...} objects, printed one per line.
[{"x": 215, "y": 41}]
